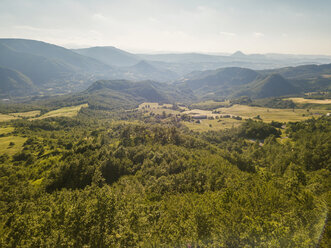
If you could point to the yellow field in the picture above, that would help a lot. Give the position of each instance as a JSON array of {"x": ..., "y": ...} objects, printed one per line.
[
  {"x": 4, "y": 117},
  {"x": 26, "y": 114},
  {"x": 156, "y": 108},
  {"x": 5, "y": 130},
  {"x": 244, "y": 111},
  {"x": 327, "y": 76},
  {"x": 11, "y": 150},
  {"x": 63, "y": 112},
  {"x": 314, "y": 101},
  {"x": 269, "y": 114},
  {"x": 216, "y": 125}
]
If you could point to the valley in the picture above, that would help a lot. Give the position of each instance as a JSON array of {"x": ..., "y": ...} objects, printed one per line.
[
  {"x": 104, "y": 148},
  {"x": 165, "y": 124}
]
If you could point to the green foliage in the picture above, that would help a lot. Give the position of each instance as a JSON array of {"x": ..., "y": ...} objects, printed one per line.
[
  {"x": 257, "y": 130},
  {"x": 96, "y": 182}
]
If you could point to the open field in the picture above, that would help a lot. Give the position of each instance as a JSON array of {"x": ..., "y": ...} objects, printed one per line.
[
  {"x": 26, "y": 114},
  {"x": 313, "y": 101},
  {"x": 5, "y": 130},
  {"x": 199, "y": 112},
  {"x": 212, "y": 125},
  {"x": 245, "y": 112},
  {"x": 63, "y": 112},
  {"x": 158, "y": 109},
  {"x": 270, "y": 114},
  {"x": 14, "y": 116},
  {"x": 4, "y": 117},
  {"x": 210, "y": 104},
  {"x": 5, "y": 148}
]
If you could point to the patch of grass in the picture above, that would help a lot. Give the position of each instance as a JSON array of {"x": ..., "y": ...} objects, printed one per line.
[
  {"x": 270, "y": 114},
  {"x": 4, "y": 117},
  {"x": 304, "y": 100},
  {"x": 212, "y": 125},
  {"x": 5, "y": 130},
  {"x": 37, "y": 182},
  {"x": 316, "y": 104},
  {"x": 26, "y": 114},
  {"x": 63, "y": 112},
  {"x": 5, "y": 148},
  {"x": 156, "y": 108}
]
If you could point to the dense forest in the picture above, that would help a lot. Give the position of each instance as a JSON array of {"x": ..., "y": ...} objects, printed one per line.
[{"x": 133, "y": 181}]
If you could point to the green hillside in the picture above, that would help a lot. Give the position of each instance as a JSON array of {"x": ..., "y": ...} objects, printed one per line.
[
  {"x": 273, "y": 85},
  {"x": 14, "y": 82},
  {"x": 234, "y": 82},
  {"x": 45, "y": 63}
]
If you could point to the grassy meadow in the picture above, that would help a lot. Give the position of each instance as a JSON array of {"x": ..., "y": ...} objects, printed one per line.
[
  {"x": 7, "y": 148},
  {"x": 244, "y": 111},
  {"x": 158, "y": 109},
  {"x": 313, "y": 101},
  {"x": 4, "y": 117},
  {"x": 212, "y": 125},
  {"x": 28, "y": 114},
  {"x": 63, "y": 112},
  {"x": 6, "y": 130},
  {"x": 270, "y": 114}
]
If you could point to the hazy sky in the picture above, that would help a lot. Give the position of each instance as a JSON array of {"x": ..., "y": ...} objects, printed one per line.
[{"x": 252, "y": 26}]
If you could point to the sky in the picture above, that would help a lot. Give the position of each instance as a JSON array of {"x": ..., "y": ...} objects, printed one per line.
[{"x": 208, "y": 26}]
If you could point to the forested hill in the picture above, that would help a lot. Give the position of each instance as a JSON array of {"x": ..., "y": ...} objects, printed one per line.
[
  {"x": 109, "y": 55},
  {"x": 234, "y": 82},
  {"x": 56, "y": 70},
  {"x": 124, "y": 94},
  {"x": 12, "y": 81},
  {"x": 43, "y": 62},
  {"x": 133, "y": 181}
]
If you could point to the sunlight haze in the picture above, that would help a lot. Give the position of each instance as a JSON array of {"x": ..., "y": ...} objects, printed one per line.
[{"x": 255, "y": 26}]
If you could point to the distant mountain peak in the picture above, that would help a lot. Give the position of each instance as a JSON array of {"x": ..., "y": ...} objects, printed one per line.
[
  {"x": 109, "y": 55},
  {"x": 238, "y": 54},
  {"x": 144, "y": 66},
  {"x": 143, "y": 63}
]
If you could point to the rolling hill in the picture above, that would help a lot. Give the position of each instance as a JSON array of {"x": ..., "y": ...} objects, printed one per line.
[
  {"x": 45, "y": 63},
  {"x": 234, "y": 82},
  {"x": 14, "y": 83},
  {"x": 143, "y": 70},
  {"x": 273, "y": 85},
  {"x": 109, "y": 55}
]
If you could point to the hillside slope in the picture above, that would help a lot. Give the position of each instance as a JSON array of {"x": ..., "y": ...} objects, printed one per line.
[
  {"x": 44, "y": 63},
  {"x": 235, "y": 81},
  {"x": 14, "y": 82},
  {"x": 109, "y": 55}
]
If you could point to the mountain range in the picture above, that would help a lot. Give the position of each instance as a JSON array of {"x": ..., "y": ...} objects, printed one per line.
[
  {"x": 234, "y": 81},
  {"x": 29, "y": 67}
]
